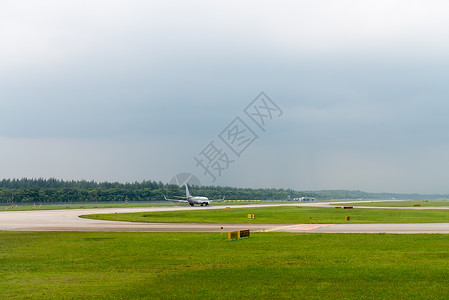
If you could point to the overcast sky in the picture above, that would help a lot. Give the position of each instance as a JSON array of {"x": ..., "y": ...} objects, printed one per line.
[{"x": 134, "y": 90}]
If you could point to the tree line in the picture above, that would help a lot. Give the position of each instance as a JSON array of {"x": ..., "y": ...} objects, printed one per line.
[{"x": 40, "y": 190}]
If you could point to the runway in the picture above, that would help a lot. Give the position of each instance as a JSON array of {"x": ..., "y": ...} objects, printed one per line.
[{"x": 69, "y": 220}]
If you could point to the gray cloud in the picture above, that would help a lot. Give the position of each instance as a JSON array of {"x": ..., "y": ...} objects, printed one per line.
[{"x": 144, "y": 86}]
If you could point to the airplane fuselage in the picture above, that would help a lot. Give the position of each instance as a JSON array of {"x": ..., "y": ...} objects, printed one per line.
[
  {"x": 191, "y": 199},
  {"x": 198, "y": 200}
]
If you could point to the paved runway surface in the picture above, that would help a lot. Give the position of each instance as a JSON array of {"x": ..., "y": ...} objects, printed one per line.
[{"x": 69, "y": 220}]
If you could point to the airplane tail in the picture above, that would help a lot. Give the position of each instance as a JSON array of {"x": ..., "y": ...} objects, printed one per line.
[{"x": 187, "y": 192}]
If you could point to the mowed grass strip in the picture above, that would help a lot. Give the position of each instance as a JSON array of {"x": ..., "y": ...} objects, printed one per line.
[
  {"x": 407, "y": 203},
  {"x": 283, "y": 215},
  {"x": 71, "y": 265}
]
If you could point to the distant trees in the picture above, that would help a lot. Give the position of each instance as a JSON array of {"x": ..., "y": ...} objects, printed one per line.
[{"x": 59, "y": 191}]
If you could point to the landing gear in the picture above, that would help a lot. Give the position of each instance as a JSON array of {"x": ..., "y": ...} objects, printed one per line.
[
  {"x": 202, "y": 204},
  {"x": 191, "y": 204}
]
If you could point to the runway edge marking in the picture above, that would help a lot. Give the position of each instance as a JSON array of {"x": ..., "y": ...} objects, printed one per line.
[
  {"x": 277, "y": 228},
  {"x": 301, "y": 227}
]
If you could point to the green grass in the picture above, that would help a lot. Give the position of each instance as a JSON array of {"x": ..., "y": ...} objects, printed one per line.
[
  {"x": 49, "y": 265},
  {"x": 283, "y": 215},
  {"x": 408, "y": 203}
]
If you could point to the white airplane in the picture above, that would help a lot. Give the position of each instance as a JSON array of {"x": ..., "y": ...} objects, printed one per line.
[{"x": 191, "y": 199}]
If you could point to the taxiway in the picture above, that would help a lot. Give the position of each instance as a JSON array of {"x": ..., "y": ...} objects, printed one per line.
[{"x": 69, "y": 220}]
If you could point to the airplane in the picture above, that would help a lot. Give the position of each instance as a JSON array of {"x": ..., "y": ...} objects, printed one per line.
[{"x": 192, "y": 200}]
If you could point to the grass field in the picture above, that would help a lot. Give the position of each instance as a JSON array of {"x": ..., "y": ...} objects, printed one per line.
[
  {"x": 283, "y": 215},
  {"x": 425, "y": 203},
  {"x": 49, "y": 265}
]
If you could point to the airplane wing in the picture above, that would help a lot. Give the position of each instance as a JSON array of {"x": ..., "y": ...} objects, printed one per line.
[
  {"x": 215, "y": 200},
  {"x": 176, "y": 200}
]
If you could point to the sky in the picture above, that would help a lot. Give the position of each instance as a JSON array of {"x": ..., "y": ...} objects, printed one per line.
[{"x": 356, "y": 92}]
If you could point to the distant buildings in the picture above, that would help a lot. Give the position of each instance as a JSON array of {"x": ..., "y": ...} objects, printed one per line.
[{"x": 304, "y": 199}]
